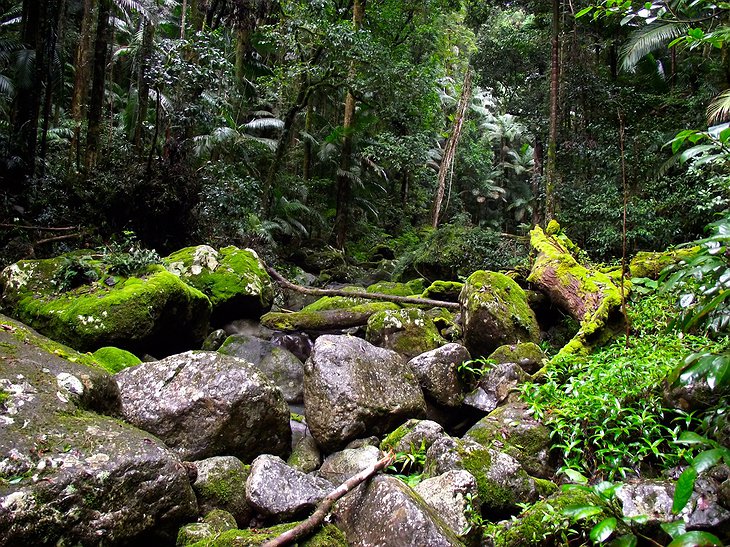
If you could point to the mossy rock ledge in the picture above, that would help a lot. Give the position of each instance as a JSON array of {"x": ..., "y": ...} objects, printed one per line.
[
  {"x": 153, "y": 313},
  {"x": 235, "y": 280}
]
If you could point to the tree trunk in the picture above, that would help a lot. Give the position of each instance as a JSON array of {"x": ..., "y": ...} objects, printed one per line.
[
  {"x": 450, "y": 149},
  {"x": 243, "y": 43},
  {"x": 537, "y": 156},
  {"x": 196, "y": 16},
  {"x": 551, "y": 178},
  {"x": 53, "y": 21},
  {"x": 343, "y": 182},
  {"x": 143, "y": 85},
  {"x": 96, "y": 102},
  {"x": 307, "y": 160}
]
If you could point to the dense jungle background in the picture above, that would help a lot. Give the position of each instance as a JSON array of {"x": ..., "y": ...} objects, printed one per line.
[{"x": 413, "y": 141}]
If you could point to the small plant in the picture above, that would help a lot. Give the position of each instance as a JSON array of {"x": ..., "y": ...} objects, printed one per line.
[
  {"x": 127, "y": 257},
  {"x": 472, "y": 370},
  {"x": 74, "y": 272},
  {"x": 473, "y": 514},
  {"x": 408, "y": 466}
]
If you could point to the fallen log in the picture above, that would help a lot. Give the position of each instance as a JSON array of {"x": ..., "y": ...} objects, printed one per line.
[
  {"x": 589, "y": 296},
  {"x": 307, "y": 526},
  {"x": 416, "y": 301}
]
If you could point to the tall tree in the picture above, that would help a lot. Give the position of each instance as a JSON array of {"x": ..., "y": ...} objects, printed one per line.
[
  {"x": 551, "y": 173},
  {"x": 98, "y": 84},
  {"x": 344, "y": 188}
]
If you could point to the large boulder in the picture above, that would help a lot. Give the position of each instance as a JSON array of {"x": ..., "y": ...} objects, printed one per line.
[
  {"x": 413, "y": 436},
  {"x": 204, "y": 404},
  {"x": 409, "y": 331},
  {"x": 352, "y": 387},
  {"x": 495, "y": 312},
  {"x": 386, "y": 513},
  {"x": 438, "y": 373},
  {"x": 220, "y": 484},
  {"x": 340, "y": 466},
  {"x": 277, "y": 490},
  {"x": 527, "y": 354},
  {"x": 495, "y": 386},
  {"x": 278, "y": 364},
  {"x": 234, "y": 279},
  {"x": 516, "y": 432},
  {"x": 68, "y": 475},
  {"x": 454, "y": 497},
  {"x": 152, "y": 313},
  {"x": 501, "y": 480}
]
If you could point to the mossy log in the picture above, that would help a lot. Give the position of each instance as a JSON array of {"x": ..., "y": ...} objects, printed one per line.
[
  {"x": 281, "y": 280},
  {"x": 589, "y": 296},
  {"x": 324, "y": 320}
]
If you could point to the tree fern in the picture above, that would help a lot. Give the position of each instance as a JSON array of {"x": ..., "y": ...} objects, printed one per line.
[
  {"x": 719, "y": 109},
  {"x": 647, "y": 39}
]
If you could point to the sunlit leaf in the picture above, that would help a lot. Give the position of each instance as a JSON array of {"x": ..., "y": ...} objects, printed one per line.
[
  {"x": 696, "y": 539},
  {"x": 603, "y": 530},
  {"x": 683, "y": 490}
]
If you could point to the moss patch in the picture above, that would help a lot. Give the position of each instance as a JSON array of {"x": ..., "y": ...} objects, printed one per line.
[
  {"x": 326, "y": 536},
  {"x": 325, "y": 320},
  {"x": 114, "y": 359},
  {"x": 443, "y": 290},
  {"x": 408, "y": 331}
]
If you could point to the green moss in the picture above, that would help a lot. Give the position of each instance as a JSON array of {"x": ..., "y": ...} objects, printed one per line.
[
  {"x": 335, "y": 303},
  {"x": 4, "y": 396},
  {"x": 221, "y": 486},
  {"x": 545, "y": 487},
  {"x": 394, "y": 437},
  {"x": 114, "y": 359},
  {"x": 327, "y": 536},
  {"x": 296, "y": 417},
  {"x": 408, "y": 331},
  {"x": 443, "y": 290},
  {"x": 477, "y": 462},
  {"x": 650, "y": 264},
  {"x": 326, "y": 319},
  {"x": 393, "y": 288}
]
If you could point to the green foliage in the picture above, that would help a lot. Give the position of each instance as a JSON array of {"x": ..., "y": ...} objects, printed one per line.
[
  {"x": 75, "y": 271},
  {"x": 408, "y": 466},
  {"x": 472, "y": 370},
  {"x": 127, "y": 257},
  {"x": 605, "y": 410}
]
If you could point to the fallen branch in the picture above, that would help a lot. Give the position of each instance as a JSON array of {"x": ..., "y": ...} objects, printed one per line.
[
  {"x": 57, "y": 238},
  {"x": 44, "y": 228},
  {"x": 367, "y": 295},
  {"x": 307, "y": 526}
]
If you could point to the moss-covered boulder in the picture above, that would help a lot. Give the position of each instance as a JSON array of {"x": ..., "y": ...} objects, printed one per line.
[
  {"x": 325, "y": 536},
  {"x": 513, "y": 428},
  {"x": 413, "y": 287},
  {"x": 412, "y": 436},
  {"x": 501, "y": 480},
  {"x": 448, "y": 291},
  {"x": 152, "y": 313},
  {"x": 114, "y": 359},
  {"x": 221, "y": 485},
  {"x": 214, "y": 523},
  {"x": 495, "y": 312},
  {"x": 325, "y": 320},
  {"x": 527, "y": 354},
  {"x": 408, "y": 331},
  {"x": 67, "y": 472},
  {"x": 235, "y": 280}
]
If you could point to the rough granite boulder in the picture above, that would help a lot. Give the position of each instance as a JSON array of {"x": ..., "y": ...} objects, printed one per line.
[
  {"x": 511, "y": 429},
  {"x": 408, "y": 331},
  {"x": 384, "y": 512},
  {"x": 204, "y": 404},
  {"x": 214, "y": 523},
  {"x": 276, "y": 490},
  {"x": 413, "y": 435},
  {"x": 68, "y": 475},
  {"x": 342, "y": 465},
  {"x": 501, "y": 480},
  {"x": 278, "y": 364},
  {"x": 438, "y": 373},
  {"x": 221, "y": 485},
  {"x": 527, "y": 354},
  {"x": 495, "y": 312},
  {"x": 235, "y": 280},
  {"x": 153, "y": 313},
  {"x": 452, "y": 496},
  {"x": 495, "y": 386},
  {"x": 352, "y": 387}
]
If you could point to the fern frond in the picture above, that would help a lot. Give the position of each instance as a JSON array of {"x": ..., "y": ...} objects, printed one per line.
[
  {"x": 6, "y": 86},
  {"x": 718, "y": 110},
  {"x": 647, "y": 39},
  {"x": 265, "y": 123}
]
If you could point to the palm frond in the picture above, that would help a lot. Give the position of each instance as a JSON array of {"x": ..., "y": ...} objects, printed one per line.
[
  {"x": 718, "y": 110},
  {"x": 265, "y": 123},
  {"x": 6, "y": 86},
  {"x": 268, "y": 143},
  {"x": 647, "y": 39}
]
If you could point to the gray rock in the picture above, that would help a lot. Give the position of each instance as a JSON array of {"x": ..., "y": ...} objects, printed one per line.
[
  {"x": 352, "y": 387},
  {"x": 412, "y": 435},
  {"x": 77, "y": 476},
  {"x": 275, "y": 489},
  {"x": 299, "y": 343},
  {"x": 495, "y": 312},
  {"x": 452, "y": 495},
  {"x": 527, "y": 354},
  {"x": 408, "y": 331},
  {"x": 386, "y": 513},
  {"x": 278, "y": 364},
  {"x": 204, "y": 404},
  {"x": 360, "y": 443},
  {"x": 340, "y": 466},
  {"x": 437, "y": 372},
  {"x": 513, "y": 431},
  {"x": 501, "y": 480},
  {"x": 215, "y": 522},
  {"x": 654, "y": 499},
  {"x": 299, "y": 429},
  {"x": 221, "y": 484},
  {"x": 214, "y": 340},
  {"x": 306, "y": 456},
  {"x": 495, "y": 386}
]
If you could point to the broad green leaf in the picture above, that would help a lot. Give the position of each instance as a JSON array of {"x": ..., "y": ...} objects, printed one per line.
[
  {"x": 582, "y": 12},
  {"x": 696, "y": 539},
  {"x": 628, "y": 540},
  {"x": 683, "y": 490},
  {"x": 576, "y": 476},
  {"x": 674, "y": 529},
  {"x": 689, "y": 437},
  {"x": 579, "y": 512},
  {"x": 708, "y": 458},
  {"x": 603, "y": 530}
]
